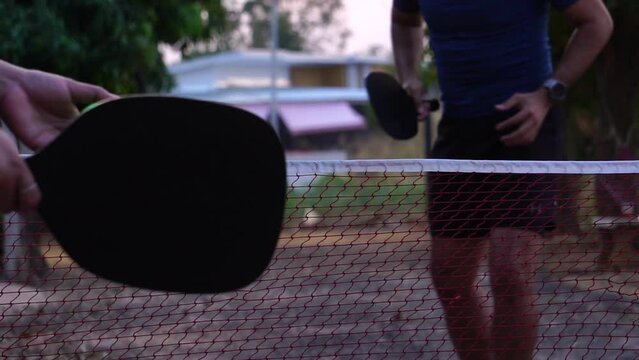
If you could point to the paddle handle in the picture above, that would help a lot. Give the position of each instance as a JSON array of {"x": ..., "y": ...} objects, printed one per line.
[{"x": 433, "y": 104}]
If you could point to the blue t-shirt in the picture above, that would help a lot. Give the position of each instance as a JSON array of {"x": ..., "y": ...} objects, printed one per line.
[{"x": 487, "y": 50}]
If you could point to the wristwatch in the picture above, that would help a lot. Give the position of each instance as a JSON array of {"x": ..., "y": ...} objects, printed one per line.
[{"x": 556, "y": 90}]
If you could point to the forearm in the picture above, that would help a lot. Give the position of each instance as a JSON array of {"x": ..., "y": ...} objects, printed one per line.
[
  {"x": 407, "y": 34},
  {"x": 581, "y": 51},
  {"x": 590, "y": 37}
]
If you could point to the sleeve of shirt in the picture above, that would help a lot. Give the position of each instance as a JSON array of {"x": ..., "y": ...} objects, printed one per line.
[
  {"x": 562, "y": 5},
  {"x": 408, "y": 6}
]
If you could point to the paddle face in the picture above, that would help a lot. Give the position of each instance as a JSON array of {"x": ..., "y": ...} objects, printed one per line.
[
  {"x": 394, "y": 108},
  {"x": 165, "y": 193}
]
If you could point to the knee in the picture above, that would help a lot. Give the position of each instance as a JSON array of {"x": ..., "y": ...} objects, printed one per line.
[
  {"x": 506, "y": 270},
  {"x": 450, "y": 277},
  {"x": 510, "y": 280}
]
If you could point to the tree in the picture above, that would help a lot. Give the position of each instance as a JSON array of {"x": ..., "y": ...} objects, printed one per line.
[
  {"x": 312, "y": 25},
  {"x": 604, "y": 106},
  {"x": 617, "y": 79},
  {"x": 113, "y": 43}
]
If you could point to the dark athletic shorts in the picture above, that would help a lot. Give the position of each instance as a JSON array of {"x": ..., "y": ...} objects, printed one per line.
[{"x": 467, "y": 205}]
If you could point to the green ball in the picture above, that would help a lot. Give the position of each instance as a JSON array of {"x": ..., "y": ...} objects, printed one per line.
[{"x": 90, "y": 107}]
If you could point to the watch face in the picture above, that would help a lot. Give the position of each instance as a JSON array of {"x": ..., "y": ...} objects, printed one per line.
[
  {"x": 556, "y": 91},
  {"x": 559, "y": 92}
]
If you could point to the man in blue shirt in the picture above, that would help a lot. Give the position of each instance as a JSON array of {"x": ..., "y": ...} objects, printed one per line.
[{"x": 498, "y": 88}]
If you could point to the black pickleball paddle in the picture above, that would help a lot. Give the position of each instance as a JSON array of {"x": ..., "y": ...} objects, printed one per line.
[
  {"x": 394, "y": 108},
  {"x": 165, "y": 193}
]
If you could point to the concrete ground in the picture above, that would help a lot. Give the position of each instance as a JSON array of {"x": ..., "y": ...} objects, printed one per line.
[{"x": 340, "y": 293}]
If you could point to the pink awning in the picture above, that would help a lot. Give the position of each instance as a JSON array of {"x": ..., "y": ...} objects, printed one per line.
[
  {"x": 324, "y": 117},
  {"x": 261, "y": 110}
]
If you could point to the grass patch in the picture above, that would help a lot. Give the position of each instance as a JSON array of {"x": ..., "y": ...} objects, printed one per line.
[{"x": 353, "y": 194}]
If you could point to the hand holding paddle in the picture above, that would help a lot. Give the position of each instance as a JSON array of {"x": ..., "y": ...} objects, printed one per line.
[
  {"x": 393, "y": 106},
  {"x": 15, "y": 179},
  {"x": 37, "y": 106},
  {"x": 415, "y": 89}
]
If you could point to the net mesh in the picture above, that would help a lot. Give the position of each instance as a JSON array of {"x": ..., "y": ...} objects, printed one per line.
[{"x": 354, "y": 277}]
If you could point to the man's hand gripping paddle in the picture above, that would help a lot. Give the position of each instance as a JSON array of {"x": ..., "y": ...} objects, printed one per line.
[{"x": 393, "y": 106}]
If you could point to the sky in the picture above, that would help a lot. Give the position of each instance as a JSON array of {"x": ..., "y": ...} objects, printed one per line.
[{"x": 369, "y": 21}]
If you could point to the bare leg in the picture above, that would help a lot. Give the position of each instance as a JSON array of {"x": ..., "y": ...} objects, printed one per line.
[
  {"x": 607, "y": 246},
  {"x": 454, "y": 267},
  {"x": 511, "y": 260}
]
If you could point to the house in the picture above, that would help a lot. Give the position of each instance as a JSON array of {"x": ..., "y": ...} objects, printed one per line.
[{"x": 315, "y": 100}]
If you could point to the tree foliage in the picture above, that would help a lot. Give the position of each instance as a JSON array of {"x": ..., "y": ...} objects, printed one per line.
[
  {"x": 603, "y": 108},
  {"x": 312, "y": 25},
  {"x": 113, "y": 43}
]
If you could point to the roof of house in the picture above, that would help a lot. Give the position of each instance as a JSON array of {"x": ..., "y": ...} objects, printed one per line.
[
  {"x": 288, "y": 95},
  {"x": 263, "y": 56}
]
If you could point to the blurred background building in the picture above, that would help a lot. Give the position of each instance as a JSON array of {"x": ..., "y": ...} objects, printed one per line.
[{"x": 320, "y": 98}]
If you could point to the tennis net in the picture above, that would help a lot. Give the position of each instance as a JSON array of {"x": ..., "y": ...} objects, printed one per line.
[{"x": 352, "y": 277}]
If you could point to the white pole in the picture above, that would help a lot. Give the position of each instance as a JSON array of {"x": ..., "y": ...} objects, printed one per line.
[{"x": 274, "y": 119}]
